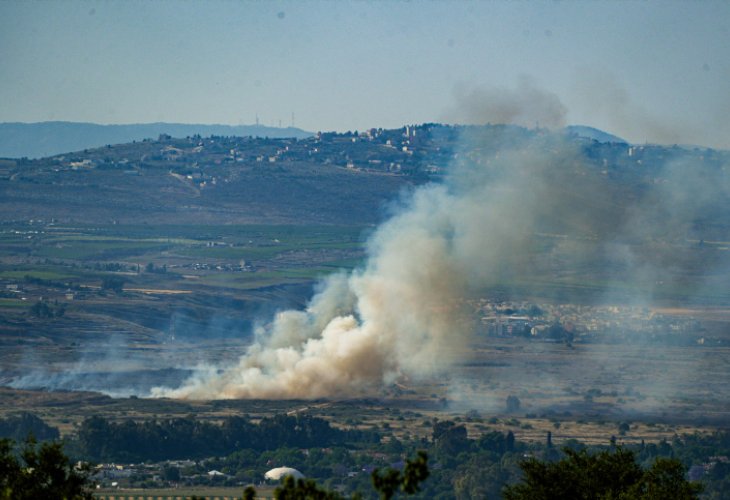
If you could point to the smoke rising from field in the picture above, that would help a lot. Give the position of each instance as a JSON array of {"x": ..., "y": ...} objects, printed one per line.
[
  {"x": 402, "y": 313},
  {"x": 360, "y": 331},
  {"x": 516, "y": 207}
]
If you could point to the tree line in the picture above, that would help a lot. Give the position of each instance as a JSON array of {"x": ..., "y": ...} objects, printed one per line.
[
  {"x": 19, "y": 426},
  {"x": 44, "y": 471},
  {"x": 462, "y": 467},
  {"x": 130, "y": 441}
]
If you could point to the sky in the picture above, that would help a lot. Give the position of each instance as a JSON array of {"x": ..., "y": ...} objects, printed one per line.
[{"x": 648, "y": 71}]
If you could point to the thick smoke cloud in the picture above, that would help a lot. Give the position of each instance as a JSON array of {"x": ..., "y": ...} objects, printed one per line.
[
  {"x": 517, "y": 206},
  {"x": 401, "y": 315},
  {"x": 395, "y": 316}
]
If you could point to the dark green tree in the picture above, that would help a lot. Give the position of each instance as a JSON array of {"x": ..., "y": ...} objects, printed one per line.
[
  {"x": 40, "y": 472},
  {"x": 303, "y": 489},
  {"x": 612, "y": 474},
  {"x": 41, "y": 310},
  {"x": 666, "y": 479},
  {"x": 112, "y": 283},
  {"x": 510, "y": 441},
  {"x": 171, "y": 473},
  {"x": 449, "y": 438},
  {"x": 249, "y": 493}
]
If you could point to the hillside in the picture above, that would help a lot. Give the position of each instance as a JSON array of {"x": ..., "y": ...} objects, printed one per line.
[
  {"x": 328, "y": 178},
  {"x": 177, "y": 248},
  {"x": 195, "y": 180}
]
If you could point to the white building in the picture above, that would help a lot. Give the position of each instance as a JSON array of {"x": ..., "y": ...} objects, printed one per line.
[{"x": 280, "y": 472}]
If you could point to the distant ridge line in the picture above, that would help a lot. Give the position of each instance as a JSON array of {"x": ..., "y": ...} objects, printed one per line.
[{"x": 41, "y": 139}]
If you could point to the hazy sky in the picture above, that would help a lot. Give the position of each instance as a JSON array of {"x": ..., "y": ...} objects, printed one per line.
[{"x": 649, "y": 70}]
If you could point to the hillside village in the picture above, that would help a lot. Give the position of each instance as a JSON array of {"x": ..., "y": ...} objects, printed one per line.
[
  {"x": 574, "y": 323},
  {"x": 331, "y": 178},
  {"x": 426, "y": 149}
]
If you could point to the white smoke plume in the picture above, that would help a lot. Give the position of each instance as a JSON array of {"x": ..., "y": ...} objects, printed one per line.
[
  {"x": 533, "y": 208},
  {"x": 401, "y": 314},
  {"x": 360, "y": 331}
]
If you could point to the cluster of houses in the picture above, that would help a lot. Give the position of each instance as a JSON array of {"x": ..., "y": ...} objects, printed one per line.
[
  {"x": 409, "y": 148},
  {"x": 556, "y": 322},
  {"x": 173, "y": 473}
]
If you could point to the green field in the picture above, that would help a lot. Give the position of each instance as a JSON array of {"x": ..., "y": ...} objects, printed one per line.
[
  {"x": 284, "y": 254},
  {"x": 13, "y": 303},
  {"x": 44, "y": 272}
]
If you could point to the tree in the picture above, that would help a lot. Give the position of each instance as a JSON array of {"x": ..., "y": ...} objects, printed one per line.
[
  {"x": 510, "y": 441},
  {"x": 513, "y": 404},
  {"x": 40, "y": 471},
  {"x": 481, "y": 476},
  {"x": 171, "y": 473},
  {"x": 415, "y": 472},
  {"x": 113, "y": 283},
  {"x": 494, "y": 442},
  {"x": 449, "y": 438},
  {"x": 666, "y": 479},
  {"x": 623, "y": 428},
  {"x": 41, "y": 310},
  {"x": 609, "y": 474},
  {"x": 303, "y": 489}
]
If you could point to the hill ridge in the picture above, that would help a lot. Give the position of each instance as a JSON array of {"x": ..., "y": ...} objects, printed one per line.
[{"x": 42, "y": 139}]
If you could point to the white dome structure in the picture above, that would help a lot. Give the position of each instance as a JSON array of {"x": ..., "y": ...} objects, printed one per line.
[{"x": 279, "y": 472}]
